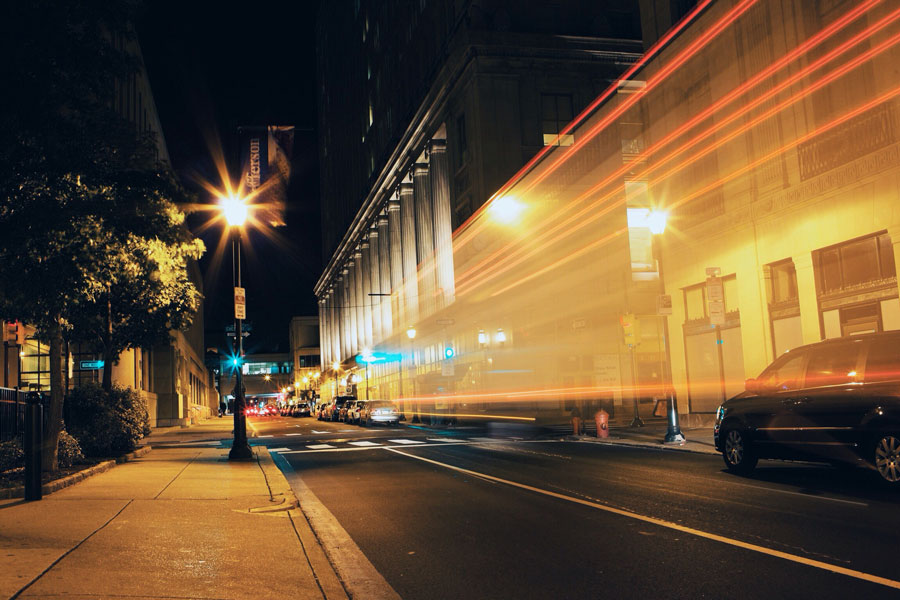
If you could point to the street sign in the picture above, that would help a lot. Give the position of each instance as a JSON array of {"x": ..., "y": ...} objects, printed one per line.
[
  {"x": 240, "y": 303},
  {"x": 85, "y": 365},
  {"x": 664, "y": 304},
  {"x": 377, "y": 357},
  {"x": 715, "y": 298},
  {"x": 232, "y": 334},
  {"x": 713, "y": 271},
  {"x": 245, "y": 327}
]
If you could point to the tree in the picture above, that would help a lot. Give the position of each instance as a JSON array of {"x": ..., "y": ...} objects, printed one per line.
[{"x": 85, "y": 210}]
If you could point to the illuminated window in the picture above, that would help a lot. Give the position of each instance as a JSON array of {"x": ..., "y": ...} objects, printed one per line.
[
  {"x": 34, "y": 365},
  {"x": 556, "y": 113}
]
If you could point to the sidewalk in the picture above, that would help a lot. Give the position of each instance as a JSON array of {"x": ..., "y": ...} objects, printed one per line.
[
  {"x": 181, "y": 521},
  {"x": 698, "y": 439}
]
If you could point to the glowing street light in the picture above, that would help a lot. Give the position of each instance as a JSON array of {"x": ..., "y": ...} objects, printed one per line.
[
  {"x": 506, "y": 209},
  {"x": 411, "y": 332},
  {"x": 235, "y": 210}
]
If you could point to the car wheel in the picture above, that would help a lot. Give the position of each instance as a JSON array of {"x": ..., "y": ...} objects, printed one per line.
[
  {"x": 886, "y": 458},
  {"x": 738, "y": 455}
]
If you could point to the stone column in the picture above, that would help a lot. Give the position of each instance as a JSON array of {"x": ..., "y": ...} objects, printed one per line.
[
  {"x": 323, "y": 337},
  {"x": 384, "y": 276},
  {"x": 353, "y": 305},
  {"x": 361, "y": 340},
  {"x": 809, "y": 304},
  {"x": 338, "y": 310},
  {"x": 408, "y": 244},
  {"x": 443, "y": 228},
  {"x": 375, "y": 285},
  {"x": 366, "y": 287},
  {"x": 424, "y": 238},
  {"x": 396, "y": 266}
]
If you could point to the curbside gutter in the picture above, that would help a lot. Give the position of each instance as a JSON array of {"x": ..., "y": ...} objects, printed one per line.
[{"x": 64, "y": 482}]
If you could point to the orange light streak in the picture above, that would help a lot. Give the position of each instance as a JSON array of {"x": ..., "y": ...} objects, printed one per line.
[
  {"x": 578, "y": 219},
  {"x": 495, "y": 259}
]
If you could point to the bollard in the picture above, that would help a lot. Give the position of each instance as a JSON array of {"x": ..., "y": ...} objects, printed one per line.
[
  {"x": 602, "y": 419},
  {"x": 33, "y": 442}
]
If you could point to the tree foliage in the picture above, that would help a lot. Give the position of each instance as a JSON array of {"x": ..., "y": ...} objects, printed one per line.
[{"x": 92, "y": 243}]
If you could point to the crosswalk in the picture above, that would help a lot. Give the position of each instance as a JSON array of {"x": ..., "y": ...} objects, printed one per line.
[{"x": 347, "y": 445}]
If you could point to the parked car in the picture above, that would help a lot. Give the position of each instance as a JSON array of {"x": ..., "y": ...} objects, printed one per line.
[
  {"x": 834, "y": 401},
  {"x": 301, "y": 410},
  {"x": 333, "y": 409},
  {"x": 353, "y": 411},
  {"x": 379, "y": 411}
]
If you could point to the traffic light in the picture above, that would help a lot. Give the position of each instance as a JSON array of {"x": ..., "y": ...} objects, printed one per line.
[
  {"x": 14, "y": 331},
  {"x": 630, "y": 330}
]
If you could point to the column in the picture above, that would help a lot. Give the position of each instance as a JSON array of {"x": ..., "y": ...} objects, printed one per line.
[
  {"x": 361, "y": 340},
  {"x": 809, "y": 304},
  {"x": 375, "y": 285},
  {"x": 323, "y": 343},
  {"x": 366, "y": 283},
  {"x": 334, "y": 331},
  {"x": 424, "y": 238},
  {"x": 353, "y": 305},
  {"x": 347, "y": 325},
  {"x": 340, "y": 314},
  {"x": 408, "y": 236},
  {"x": 443, "y": 228},
  {"x": 384, "y": 275},
  {"x": 396, "y": 266}
]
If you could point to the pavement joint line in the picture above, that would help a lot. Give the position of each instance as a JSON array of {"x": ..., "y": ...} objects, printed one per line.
[
  {"x": 306, "y": 556},
  {"x": 884, "y": 581},
  {"x": 69, "y": 551},
  {"x": 177, "y": 475}
]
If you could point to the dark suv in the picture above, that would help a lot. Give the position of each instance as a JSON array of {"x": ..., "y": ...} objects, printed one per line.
[
  {"x": 835, "y": 401},
  {"x": 333, "y": 410}
]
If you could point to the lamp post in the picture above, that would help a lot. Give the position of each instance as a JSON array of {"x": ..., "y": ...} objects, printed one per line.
[
  {"x": 235, "y": 211},
  {"x": 657, "y": 223}
]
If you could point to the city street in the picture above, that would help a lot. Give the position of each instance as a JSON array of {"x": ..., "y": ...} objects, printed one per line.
[{"x": 548, "y": 518}]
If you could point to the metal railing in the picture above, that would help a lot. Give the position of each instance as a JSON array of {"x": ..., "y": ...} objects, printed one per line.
[{"x": 12, "y": 413}]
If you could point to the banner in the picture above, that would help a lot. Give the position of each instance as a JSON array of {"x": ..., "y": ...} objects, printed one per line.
[{"x": 266, "y": 169}]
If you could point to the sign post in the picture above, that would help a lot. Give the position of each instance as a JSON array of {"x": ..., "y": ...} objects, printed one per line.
[{"x": 240, "y": 304}]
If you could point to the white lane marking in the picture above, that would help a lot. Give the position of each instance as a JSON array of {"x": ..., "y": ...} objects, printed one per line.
[
  {"x": 669, "y": 525},
  {"x": 810, "y": 496},
  {"x": 407, "y": 441},
  {"x": 314, "y": 431},
  {"x": 363, "y": 443},
  {"x": 278, "y": 449},
  {"x": 441, "y": 440},
  {"x": 346, "y": 430},
  {"x": 320, "y": 446},
  {"x": 262, "y": 436},
  {"x": 293, "y": 434}
]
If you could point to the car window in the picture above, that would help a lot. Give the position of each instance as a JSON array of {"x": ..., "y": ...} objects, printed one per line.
[
  {"x": 832, "y": 365},
  {"x": 783, "y": 374},
  {"x": 883, "y": 361}
]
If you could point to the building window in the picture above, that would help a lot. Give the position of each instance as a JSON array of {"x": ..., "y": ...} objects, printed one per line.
[
  {"x": 784, "y": 282},
  {"x": 556, "y": 113},
  {"x": 462, "y": 141},
  {"x": 34, "y": 365},
  {"x": 854, "y": 263},
  {"x": 784, "y": 306}
]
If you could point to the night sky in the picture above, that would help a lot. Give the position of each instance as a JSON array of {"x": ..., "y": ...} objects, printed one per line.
[{"x": 213, "y": 67}]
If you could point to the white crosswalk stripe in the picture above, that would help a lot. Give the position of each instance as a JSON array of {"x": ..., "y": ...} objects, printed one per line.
[
  {"x": 279, "y": 449},
  {"x": 320, "y": 446},
  {"x": 407, "y": 441},
  {"x": 363, "y": 443},
  {"x": 441, "y": 440}
]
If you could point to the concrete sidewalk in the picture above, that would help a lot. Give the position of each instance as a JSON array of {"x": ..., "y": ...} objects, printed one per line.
[
  {"x": 699, "y": 439},
  {"x": 180, "y": 522}
]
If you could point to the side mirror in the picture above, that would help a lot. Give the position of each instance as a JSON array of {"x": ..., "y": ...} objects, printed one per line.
[{"x": 751, "y": 385}]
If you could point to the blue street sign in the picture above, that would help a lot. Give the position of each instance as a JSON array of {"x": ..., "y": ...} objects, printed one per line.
[
  {"x": 84, "y": 365},
  {"x": 376, "y": 357}
]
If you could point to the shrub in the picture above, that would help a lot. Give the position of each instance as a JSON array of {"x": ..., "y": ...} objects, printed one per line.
[
  {"x": 107, "y": 423},
  {"x": 69, "y": 450},
  {"x": 11, "y": 455}
]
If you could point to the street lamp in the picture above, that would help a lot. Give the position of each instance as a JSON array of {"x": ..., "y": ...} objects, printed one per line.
[
  {"x": 656, "y": 221},
  {"x": 411, "y": 335},
  {"x": 235, "y": 211}
]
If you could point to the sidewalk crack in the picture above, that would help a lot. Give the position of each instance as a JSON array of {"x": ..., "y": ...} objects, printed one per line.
[
  {"x": 68, "y": 552},
  {"x": 177, "y": 475}
]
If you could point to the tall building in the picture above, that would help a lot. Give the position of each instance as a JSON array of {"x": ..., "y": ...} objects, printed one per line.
[
  {"x": 732, "y": 198},
  {"x": 424, "y": 112},
  {"x": 304, "y": 341}
]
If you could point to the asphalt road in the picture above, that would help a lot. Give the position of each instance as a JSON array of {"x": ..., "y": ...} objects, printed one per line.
[{"x": 461, "y": 514}]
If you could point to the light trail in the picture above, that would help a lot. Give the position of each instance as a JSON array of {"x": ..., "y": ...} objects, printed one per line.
[
  {"x": 581, "y": 219},
  {"x": 503, "y": 256}
]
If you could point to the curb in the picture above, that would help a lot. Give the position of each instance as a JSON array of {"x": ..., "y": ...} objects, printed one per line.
[
  {"x": 282, "y": 495},
  {"x": 64, "y": 482},
  {"x": 610, "y": 441}
]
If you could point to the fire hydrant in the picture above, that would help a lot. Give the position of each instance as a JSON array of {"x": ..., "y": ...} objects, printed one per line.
[{"x": 602, "y": 419}]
